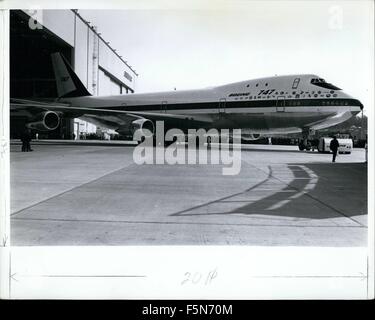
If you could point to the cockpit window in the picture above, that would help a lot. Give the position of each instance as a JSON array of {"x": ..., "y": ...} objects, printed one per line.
[{"x": 322, "y": 83}]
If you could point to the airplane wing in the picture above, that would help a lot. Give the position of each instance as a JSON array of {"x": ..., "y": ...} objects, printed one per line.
[{"x": 106, "y": 117}]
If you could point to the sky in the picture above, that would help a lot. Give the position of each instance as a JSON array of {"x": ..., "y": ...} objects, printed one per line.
[{"x": 197, "y": 47}]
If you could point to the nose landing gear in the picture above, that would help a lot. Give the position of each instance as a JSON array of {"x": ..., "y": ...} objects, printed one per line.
[{"x": 304, "y": 145}]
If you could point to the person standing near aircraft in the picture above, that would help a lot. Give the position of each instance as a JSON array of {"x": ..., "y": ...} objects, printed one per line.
[
  {"x": 334, "y": 146},
  {"x": 26, "y": 138},
  {"x": 28, "y": 146}
]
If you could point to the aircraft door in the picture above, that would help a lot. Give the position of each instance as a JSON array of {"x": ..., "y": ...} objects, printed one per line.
[
  {"x": 280, "y": 104},
  {"x": 164, "y": 106},
  {"x": 222, "y": 103}
]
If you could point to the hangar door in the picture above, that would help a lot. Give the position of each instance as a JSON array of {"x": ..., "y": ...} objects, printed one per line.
[{"x": 31, "y": 71}]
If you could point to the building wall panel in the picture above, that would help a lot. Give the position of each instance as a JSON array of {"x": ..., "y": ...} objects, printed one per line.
[
  {"x": 60, "y": 22},
  {"x": 111, "y": 63},
  {"x": 104, "y": 84},
  {"x": 92, "y": 61},
  {"x": 81, "y": 51}
]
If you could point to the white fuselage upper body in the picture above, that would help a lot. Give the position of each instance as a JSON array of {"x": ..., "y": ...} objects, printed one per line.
[{"x": 279, "y": 104}]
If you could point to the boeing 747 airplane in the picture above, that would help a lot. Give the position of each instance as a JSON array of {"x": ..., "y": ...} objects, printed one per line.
[{"x": 266, "y": 106}]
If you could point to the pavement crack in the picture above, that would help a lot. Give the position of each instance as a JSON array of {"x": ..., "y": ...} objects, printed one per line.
[{"x": 186, "y": 223}]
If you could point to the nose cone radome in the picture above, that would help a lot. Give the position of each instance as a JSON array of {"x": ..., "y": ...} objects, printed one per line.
[{"x": 360, "y": 104}]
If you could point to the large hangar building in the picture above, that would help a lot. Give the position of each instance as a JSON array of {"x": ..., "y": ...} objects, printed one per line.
[{"x": 35, "y": 35}]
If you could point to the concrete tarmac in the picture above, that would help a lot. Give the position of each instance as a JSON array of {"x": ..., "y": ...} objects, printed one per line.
[{"x": 92, "y": 193}]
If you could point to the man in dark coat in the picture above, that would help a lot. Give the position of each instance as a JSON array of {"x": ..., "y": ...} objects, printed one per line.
[
  {"x": 334, "y": 146},
  {"x": 26, "y": 138}
]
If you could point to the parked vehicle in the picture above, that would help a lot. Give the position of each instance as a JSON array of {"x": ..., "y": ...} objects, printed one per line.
[{"x": 345, "y": 145}]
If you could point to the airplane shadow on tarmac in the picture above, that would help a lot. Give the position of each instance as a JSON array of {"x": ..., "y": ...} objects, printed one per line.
[{"x": 316, "y": 191}]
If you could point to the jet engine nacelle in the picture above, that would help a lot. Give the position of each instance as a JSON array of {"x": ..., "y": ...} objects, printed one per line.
[
  {"x": 45, "y": 121},
  {"x": 144, "y": 128}
]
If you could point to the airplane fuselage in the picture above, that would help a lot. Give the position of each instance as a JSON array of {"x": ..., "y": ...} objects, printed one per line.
[{"x": 278, "y": 105}]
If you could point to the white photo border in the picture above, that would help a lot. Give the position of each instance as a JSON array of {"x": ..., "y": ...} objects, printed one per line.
[{"x": 167, "y": 272}]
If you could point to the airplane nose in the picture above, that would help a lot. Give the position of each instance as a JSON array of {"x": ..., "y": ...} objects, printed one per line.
[{"x": 359, "y": 104}]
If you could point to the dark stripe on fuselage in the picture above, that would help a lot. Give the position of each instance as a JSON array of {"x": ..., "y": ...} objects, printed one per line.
[{"x": 242, "y": 104}]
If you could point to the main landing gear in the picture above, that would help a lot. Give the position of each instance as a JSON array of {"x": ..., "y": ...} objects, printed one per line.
[{"x": 304, "y": 144}]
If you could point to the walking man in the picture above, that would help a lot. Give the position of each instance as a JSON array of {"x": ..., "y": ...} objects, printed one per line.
[{"x": 334, "y": 146}]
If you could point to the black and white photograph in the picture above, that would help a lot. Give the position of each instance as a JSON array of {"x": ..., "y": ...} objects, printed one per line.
[{"x": 187, "y": 135}]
